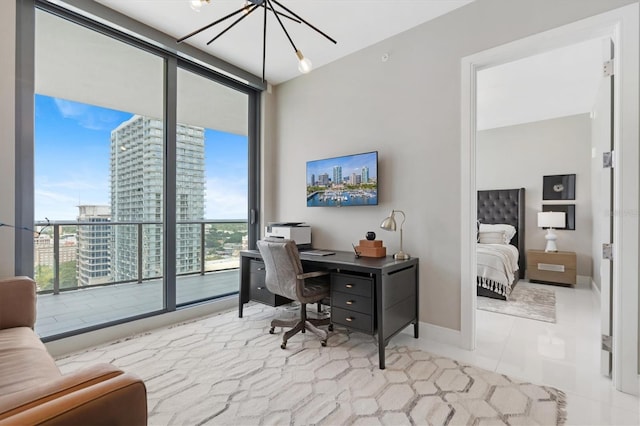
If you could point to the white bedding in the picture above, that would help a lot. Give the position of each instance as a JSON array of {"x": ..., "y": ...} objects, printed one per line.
[{"x": 497, "y": 266}]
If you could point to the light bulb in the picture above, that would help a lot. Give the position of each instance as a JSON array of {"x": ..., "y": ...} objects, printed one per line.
[
  {"x": 247, "y": 7},
  {"x": 304, "y": 64},
  {"x": 197, "y": 4}
]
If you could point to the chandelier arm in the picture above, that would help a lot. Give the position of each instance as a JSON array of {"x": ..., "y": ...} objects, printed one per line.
[
  {"x": 233, "y": 24},
  {"x": 264, "y": 40},
  {"x": 282, "y": 25},
  {"x": 283, "y": 14},
  {"x": 224, "y": 18},
  {"x": 302, "y": 19}
]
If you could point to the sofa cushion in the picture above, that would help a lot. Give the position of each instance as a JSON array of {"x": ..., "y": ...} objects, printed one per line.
[{"x": 24, "y": 359}]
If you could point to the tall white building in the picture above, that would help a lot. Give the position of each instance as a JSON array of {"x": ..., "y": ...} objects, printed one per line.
[
  {"x": 137, "y": 183},
  {"x": 365, "y": 175},
  {"x": 94, "y": 245},
  {"x": 337, "y": 175}
]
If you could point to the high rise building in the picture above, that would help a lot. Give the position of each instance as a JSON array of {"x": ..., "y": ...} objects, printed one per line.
[
  {"x": 137, "y": 183},
  {"x": 365, "y": 174},
  {"x": 337, "y": 175},
  {"x": 94, "y": 245},
  {"x": 313, "y": 180}
]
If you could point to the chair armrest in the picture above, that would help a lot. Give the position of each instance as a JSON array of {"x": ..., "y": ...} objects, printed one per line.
[
  {"x": 17, "y": 302},
  {"x": 99, "y": 395},
  {"x": 313, "y": 274}
]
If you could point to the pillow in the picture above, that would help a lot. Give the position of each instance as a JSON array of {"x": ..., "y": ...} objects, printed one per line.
[
  {"x": 493, "y": 237},
  {"x": 509, "y": 230}
]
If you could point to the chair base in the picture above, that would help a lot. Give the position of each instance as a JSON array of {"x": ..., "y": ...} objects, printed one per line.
[{"x": 301, "y": 325}]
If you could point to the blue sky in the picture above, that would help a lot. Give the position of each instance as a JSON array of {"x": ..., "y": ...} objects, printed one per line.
[
  {"x": 350, "y": 164},
  {"x": 72, "y": 148}
]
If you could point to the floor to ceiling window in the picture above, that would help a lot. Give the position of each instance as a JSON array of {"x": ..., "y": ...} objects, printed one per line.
[
  {"x": 211, "y": 186},
  {"x": 101, "y": 158}
]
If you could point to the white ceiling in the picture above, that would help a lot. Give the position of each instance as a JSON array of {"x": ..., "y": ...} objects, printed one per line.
[
  {"x": 554, "y": 84},
  {"x": 557, "y": 83},
  {"x": 354, "y": 24}
]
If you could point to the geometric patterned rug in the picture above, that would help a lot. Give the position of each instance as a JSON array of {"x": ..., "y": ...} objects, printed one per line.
[
  {"x": 526, "y": 300},
  {"x": 226, "y": 370}
]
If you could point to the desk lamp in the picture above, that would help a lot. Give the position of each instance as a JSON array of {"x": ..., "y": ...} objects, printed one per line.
[
  {"x": 389, "y": 224},
  {"x": 551, "y": 220}
]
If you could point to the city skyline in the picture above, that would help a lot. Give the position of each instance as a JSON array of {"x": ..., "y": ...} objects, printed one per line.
[
  {"x": 72, "y": 152},
  {"x": 349, "y": 164}
]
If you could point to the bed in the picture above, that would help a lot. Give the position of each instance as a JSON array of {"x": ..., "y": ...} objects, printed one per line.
[{"x": 499, "y": 264}]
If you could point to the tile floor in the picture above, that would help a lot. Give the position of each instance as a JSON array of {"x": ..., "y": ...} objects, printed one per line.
[{"x": 565, "y": 355}]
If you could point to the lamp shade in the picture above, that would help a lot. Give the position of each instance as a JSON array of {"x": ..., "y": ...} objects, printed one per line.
[
  {"x": 389, "y": 223},
  {"x": 551, "y": 220}
]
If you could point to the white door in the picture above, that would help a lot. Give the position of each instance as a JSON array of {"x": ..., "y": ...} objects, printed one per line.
[{"x": 602, "y": 134}]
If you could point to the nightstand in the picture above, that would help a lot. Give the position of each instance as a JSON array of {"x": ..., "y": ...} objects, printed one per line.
[{"x": 551, "y": 267}]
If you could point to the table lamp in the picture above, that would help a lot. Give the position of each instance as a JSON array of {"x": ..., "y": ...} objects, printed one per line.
[
  {"x": 551, "y": 220},
  {"x": 389, "y": 224}
]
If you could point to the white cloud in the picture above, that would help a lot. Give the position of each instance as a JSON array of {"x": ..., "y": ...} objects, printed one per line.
[
  {"x": 87, "y": 116},
  {"x": 225, "y": 199}
]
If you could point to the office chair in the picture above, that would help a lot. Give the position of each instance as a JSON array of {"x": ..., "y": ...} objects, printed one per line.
[{"x": 284, "y": 276}]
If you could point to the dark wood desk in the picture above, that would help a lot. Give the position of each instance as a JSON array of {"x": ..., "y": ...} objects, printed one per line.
[{"x": 378, "y": 296}]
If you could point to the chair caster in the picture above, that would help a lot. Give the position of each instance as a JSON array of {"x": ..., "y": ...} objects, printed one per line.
[
  {"x": 272, "y": 330},
  {"x": 330, "y": 327},
  {"x": 283, "y": 345},
  {"x": 323, "y": 343},
  {"x": 303, "y": 331}
]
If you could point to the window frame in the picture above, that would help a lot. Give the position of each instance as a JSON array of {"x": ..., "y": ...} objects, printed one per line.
[{"x": 188, "y": 58}]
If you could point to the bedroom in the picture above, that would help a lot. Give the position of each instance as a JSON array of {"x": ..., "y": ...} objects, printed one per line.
[{"x": 518, "y": 122}]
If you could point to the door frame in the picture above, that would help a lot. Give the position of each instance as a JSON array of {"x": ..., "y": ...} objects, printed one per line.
[{"x": 622, "y": 26}]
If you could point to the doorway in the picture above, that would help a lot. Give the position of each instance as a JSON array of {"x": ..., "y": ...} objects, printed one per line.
[{"x": 621, "y": 25}]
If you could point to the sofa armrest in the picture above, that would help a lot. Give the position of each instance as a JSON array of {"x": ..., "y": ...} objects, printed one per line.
[
  {"x": 17, "y": 302},
  {"x": 99, "y": 395}
]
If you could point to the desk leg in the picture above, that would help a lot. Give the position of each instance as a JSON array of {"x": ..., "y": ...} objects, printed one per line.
[
  {"x": 381, "y": 349},
  {"x": 243, "y": 285},
  {"x": 415, "y": 329}
]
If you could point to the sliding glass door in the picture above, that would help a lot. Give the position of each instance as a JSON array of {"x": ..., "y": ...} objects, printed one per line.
[
  {"x": 212, "y": 151},
  {"x": 145, "y": 170},
  {"x": 98, "y": 177}
]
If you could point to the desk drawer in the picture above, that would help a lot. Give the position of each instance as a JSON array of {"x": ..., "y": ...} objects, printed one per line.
[
  {"x": 351, "y": 319},
  {"x": 352, "y": 302},
  {"x": 351, "y": 284}
]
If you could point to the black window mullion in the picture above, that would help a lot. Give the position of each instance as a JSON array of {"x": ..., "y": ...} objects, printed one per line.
[{"x": 170, "y": 141}]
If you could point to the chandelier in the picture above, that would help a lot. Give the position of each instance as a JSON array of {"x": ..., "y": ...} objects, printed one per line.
[{"x": 250, "y": 6}]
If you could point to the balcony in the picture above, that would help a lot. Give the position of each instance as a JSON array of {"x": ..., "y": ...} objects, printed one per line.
[{"x": 74, "y": 295}]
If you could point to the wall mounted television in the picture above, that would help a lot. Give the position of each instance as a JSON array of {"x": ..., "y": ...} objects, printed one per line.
[{"x": 350, "y": 180}]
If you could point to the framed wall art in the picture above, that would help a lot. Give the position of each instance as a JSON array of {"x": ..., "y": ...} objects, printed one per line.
[
  {"x": 559, "y": 187},
  {"x": 569, "y": 211}
]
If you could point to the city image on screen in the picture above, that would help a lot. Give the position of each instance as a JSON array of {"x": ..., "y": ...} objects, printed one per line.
[{"x": 350, "y": 180}]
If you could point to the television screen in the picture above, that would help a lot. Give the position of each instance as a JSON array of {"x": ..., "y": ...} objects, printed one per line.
[{"x": 351, "y": 180}]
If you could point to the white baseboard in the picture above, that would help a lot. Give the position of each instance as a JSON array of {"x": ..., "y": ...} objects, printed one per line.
[
  {"x": 438, "y": 334},
  {"x": 109, "y": 334},
  {"x": 595, "y": 289}
]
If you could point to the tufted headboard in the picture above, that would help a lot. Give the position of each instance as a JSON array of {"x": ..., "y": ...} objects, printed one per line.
[{"x": 505, "y": 206}]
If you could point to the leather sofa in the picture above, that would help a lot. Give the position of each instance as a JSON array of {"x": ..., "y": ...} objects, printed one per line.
[{"x": 32, "y": 389}]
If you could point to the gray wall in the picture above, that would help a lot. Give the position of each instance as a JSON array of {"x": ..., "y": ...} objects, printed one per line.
[
  {"x": 7, "y": 134},
  {"x": 518, "y": 156},
  {"x": 408, "y": 109}
]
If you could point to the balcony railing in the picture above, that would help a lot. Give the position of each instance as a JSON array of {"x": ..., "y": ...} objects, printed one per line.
[{"x": 95, "y": 246}]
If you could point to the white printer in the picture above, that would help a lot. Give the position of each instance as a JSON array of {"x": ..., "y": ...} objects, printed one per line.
[{"x": 296, "y": 231}]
